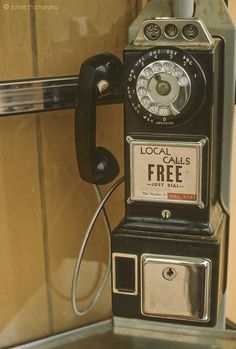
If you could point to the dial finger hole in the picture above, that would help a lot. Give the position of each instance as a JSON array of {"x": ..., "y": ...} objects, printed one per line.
[
  {"x": 168, "y": 67},
  {"x": 183, "y": 81},
  {"x": 142, "y": 81},
  {"x": 148, "y": 72},
  {"x": 164, "y": 110},
  {"x": 177, "y": 72},
  {"x": 153, "y": 108},
  {"x": 142, "y": 91},
  {"x": 157, "y": 67},
  {"x": 145, "y": 101}
]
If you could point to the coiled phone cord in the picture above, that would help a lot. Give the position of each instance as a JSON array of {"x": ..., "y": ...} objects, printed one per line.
[{"x": 102, "y": 202}]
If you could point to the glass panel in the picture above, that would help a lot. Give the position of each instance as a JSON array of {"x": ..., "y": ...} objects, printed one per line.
[{"x": 45, "y": 207}]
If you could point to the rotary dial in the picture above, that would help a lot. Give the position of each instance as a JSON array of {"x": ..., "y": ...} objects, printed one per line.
[
  {"x": 163, "y": 88},
  {"x": 166, "y": 86}
]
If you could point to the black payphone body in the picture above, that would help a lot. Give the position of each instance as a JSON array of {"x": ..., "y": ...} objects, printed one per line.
[
  {"x": 169, "y": 253},
  {"x": 172, "y": 241}
]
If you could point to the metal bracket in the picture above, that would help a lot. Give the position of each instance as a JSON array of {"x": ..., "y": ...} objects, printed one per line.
[{"x": 44, "y": 94}]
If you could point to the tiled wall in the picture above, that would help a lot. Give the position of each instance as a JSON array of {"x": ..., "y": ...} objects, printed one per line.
[{"x": 44, "y": 206}]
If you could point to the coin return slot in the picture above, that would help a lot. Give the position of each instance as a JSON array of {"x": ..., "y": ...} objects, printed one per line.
[
  {"x": 125, "y": 274},
  {"x": 176, "y": 287}
]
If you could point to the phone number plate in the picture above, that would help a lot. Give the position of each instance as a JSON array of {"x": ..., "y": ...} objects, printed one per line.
[{"x": 166, "y": 171}]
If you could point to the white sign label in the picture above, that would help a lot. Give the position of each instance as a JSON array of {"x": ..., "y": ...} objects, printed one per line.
[{"x": 167, "y": 172}]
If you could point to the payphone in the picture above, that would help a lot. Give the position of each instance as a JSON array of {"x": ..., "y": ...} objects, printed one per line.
[{"x": 169, "y": 252}]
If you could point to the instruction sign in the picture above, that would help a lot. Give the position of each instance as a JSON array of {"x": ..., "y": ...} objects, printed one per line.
[{"x": 166, "y": 171}]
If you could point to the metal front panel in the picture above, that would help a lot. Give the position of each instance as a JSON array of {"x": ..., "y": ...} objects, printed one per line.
[
  {"x": 201, "y": 39},
  {"x": 166, "y": 171},
  {"x": 176, "y": 287}
]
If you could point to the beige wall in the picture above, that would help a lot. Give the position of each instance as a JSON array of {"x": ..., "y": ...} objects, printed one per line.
[
  {"x": 23, "y": 296},
  {"x": 44, "y": 206}
]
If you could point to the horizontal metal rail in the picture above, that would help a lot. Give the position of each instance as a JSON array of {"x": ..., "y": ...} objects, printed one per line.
[{"x": 44, "y": 94}]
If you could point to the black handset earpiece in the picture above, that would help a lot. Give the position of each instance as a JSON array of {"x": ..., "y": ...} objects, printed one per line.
[{"x": 99, "y": 75}]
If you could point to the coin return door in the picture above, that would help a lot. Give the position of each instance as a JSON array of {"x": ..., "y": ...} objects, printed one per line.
[
  {"x": 171, "y": 287},
  {"x": 175, "y": 287}
]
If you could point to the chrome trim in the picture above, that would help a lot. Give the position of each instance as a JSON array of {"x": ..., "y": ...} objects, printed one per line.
[
  {"x": 17, "y": 97},
  {"x": 173, "y": 331},
  {"x": 204, "y": 39},
  {"x": 68, "y": 336},
  {"x": 124, "y": 255},
  {"x": 192, "y": 267},
  {"x": 44, "y": 94}
]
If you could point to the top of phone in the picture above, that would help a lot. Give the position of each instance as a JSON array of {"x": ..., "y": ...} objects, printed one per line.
[{"x": 173, "y": 31}]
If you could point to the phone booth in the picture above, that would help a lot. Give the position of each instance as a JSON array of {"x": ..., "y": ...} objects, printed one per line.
[{"x": 168, "y": 254}]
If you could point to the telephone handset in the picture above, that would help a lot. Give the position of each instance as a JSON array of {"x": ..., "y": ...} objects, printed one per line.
[{"x": 99, "y": 75}]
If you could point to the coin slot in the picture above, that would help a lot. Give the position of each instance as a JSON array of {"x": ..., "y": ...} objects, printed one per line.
[
  {"x": 190, "y": 31},
  {"x": 171, "y": 31},
  {"x": 152, "y": 31},
  {"x": 125, "y": 274}
]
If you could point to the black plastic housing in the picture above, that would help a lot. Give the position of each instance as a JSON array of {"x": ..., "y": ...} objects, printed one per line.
[{"x": 205, "y": 123}]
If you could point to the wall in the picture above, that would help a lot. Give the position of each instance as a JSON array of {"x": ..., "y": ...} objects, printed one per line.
[{"x": 44, "y": 206}]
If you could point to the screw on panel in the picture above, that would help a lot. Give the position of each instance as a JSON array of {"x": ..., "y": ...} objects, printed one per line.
[
  {"x": 203, "y": 141},
  {"x": 129, "y": 201},
  {"x": 102, "y": 85},
  {"x": 129, "y": 139},
  {"x": 201, "y": 206},
  {"x": 166, "y": 214},
  {"x": 169, "y": 273}
]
